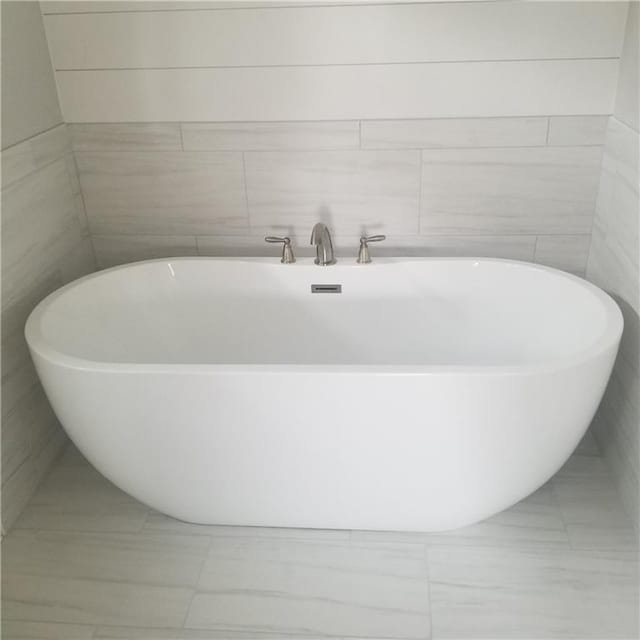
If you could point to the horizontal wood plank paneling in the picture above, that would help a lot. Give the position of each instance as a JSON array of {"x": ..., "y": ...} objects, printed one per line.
[
  {"x": 407, "y": 33},
  {"x": 340, "y": 92}
]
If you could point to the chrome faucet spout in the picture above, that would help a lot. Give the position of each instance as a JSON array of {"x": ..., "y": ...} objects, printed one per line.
[{"x": 321, "y": 238}]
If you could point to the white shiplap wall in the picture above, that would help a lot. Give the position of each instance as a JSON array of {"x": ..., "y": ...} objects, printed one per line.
[{"x": 336, "y": 62}]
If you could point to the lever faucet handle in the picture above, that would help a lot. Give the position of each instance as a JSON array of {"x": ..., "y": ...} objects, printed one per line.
[
  {"x": 363, "y": 253},
  {"x": 287, "y": 250}
]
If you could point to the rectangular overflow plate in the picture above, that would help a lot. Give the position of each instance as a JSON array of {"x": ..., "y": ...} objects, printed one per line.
[{"x": 326, "y": 288}]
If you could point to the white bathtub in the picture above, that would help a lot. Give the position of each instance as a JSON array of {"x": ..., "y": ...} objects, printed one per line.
[{"x": 428, "y": 395}]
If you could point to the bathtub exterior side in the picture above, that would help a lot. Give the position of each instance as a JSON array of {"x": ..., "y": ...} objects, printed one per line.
[{"x": 348, "y": 450}]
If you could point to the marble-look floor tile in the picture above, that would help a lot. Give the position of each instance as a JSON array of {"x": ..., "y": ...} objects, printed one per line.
[
  {"x": 99, "y": 602},
  {"x": 20, "y": 630},
  {"x": 534, "y": 593},
  {"x": 78, "y": 498},
  {"x": 536, "y": 520},
  {"x": 303, "y": 588},
  {"x": 143, "y": 558}
]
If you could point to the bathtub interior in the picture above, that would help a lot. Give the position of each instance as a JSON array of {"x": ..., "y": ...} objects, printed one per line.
[{"x": 405, "y": 312}]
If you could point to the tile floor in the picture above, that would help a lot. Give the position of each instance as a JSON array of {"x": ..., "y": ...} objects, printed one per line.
[{"x": 85, "y": 561}]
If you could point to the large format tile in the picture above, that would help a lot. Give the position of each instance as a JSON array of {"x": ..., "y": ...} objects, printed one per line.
[
  {"x": 454, "y": 132},
  {"x": 140, "y": 558},
  {"x": 34, "y": 153},
  {"x": 78, "y": 498},
  {"x": 39, "y": 227},
  {"x": 534, "y": 521},
  {"x": 304, "y": 588},
  {"x": 168, "y": 193},
  {"x": 139, "y": 136},
  {"x": 140, "y": 633},
  {"x": 85, "y": 601},
  {"x": 593, "y": 513},
  {"x": 577, "y": 130},
  {"x": 113, "y": 250},
  {"x": 20, "y": 630},
  {"x": 569, "y": 253},
  {"x": 270, "y": 136},
  {"x": 352, "y": 191},
  {"x": 510, "y": 191},
  {"x": 532, "y": 593}
]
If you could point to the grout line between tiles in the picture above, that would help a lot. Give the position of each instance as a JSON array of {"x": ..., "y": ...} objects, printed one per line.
[
  {"x": 323, "y": 65},
  {"x": 546, "y": 142},
  {"x": 246, "y": 190}
]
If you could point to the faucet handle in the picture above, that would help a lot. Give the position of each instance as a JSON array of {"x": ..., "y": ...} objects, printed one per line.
[
  {"x": 287, "y": 250},
  {"x": 363, "y": 253}
]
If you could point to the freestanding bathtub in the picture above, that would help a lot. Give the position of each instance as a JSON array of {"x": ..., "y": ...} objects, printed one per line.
[{"x": 427, "y": 395}]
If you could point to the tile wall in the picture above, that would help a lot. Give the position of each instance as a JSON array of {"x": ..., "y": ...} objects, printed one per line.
[
  {"x": 520, "y": 188},
  {"x": 614, "y": 264},
  {"x": 45, "y": 243}
]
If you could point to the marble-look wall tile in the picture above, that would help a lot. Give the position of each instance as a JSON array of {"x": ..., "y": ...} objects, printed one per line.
[
  {"x": 614, "y": 263},
  {"x": 18, "y": 373},
  {"x": 39, "y": 225},
  {"x": 271, "y": 136},
  {"x": 26, "y": 157},
  {"x": 44, "y": 245},
  {"x": 352, "y": 191},
  {"x": 141, "y": 136},
  {"x": 163, "y": 192},
  {"x": 112, "y": 250},
  {"x": 577, "y": 130},
  {"x": 511, "y": 191},
  {"x": 593, "y": 513},
  {"x": 454, "y": 132},
  {"x": 568, "y": 253}
]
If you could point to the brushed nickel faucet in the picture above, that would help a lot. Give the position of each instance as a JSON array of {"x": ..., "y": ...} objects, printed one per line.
[
  {"x": 287, "y": 251},
  {"x": 363, "y": 253},
  {"x": 321, "y": 237}
]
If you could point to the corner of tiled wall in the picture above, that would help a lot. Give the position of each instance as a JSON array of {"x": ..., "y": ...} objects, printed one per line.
[{"x": 614, "y": 264}]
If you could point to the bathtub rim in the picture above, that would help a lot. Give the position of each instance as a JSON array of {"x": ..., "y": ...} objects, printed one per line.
[{"x": 610, "y": 337}]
